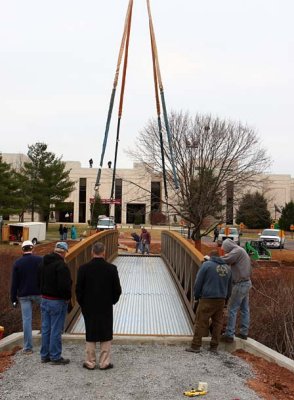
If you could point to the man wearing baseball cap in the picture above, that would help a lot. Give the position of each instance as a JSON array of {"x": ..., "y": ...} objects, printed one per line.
[
  {"x": 55, "y": 283},
  {"x": 25, "y": 290}
]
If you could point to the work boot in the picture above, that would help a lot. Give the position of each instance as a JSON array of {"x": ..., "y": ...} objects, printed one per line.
[
  {"x": 227, "y": 339},
  {"x": 60, "y": 361},
  {"x": 193, "y": 349},
  {"x": 241, "y": 336},
  {"x": 213, "y": 350}
]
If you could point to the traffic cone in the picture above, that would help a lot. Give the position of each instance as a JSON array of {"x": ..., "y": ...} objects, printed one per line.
[{"x": 1, "y": 332}]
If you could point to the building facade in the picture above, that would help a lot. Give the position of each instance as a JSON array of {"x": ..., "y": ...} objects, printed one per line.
[{"x": 139, "y": 193}]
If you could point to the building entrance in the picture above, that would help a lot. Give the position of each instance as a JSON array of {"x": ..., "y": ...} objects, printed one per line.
[{"x": 136, "y": 214}]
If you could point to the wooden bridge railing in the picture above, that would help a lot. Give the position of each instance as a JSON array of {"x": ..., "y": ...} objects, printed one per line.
[
  {"x": 80, "y": 254},
  {"x": 183, "y": 261}
]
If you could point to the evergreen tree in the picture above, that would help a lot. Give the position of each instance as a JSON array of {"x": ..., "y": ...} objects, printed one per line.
[
  {"x": 253, "y": 211},
  {"x": 97, "y": 208},
  {"x": 47, "y": 181},
  {"x": 10, "y": 198},
  {"x": 287, "y": 217}
]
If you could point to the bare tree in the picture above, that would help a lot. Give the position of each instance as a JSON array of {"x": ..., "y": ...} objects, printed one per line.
[{"x": 214, "y": 160}]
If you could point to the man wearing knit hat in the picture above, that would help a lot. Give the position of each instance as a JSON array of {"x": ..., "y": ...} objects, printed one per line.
[
  {"x": 55, "y": 283},
  {"x": 240, "y": 263}
]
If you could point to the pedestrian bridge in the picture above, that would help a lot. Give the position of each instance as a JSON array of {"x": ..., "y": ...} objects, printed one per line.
[
  {"x": 157, "y": 291},
  {"x": 156, "y": 305}
]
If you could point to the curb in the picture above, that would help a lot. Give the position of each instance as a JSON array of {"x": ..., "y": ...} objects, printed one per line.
[{"x": 250, "y": 346}]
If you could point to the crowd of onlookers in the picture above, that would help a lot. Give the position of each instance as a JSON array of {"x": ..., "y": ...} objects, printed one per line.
[{"x": 63, "y": 232}]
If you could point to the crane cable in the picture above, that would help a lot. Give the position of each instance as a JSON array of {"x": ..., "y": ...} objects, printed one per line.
[
  {"x": 120, "y": 108},
  {"x": 155, "y": 77},
  {"x": 157, "y": 84},
  {"x": 112, "y": 97},
  {"x": 153, "y": 41}
]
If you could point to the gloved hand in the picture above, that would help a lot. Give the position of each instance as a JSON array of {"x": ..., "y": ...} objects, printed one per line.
[{"x": 14, "y": 304}]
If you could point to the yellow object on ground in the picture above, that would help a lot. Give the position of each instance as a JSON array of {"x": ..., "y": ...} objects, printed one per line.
[{"x": 194, "y": 393}]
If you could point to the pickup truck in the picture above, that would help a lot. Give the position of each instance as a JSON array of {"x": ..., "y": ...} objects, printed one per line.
[{"x": 273, "y": 238}]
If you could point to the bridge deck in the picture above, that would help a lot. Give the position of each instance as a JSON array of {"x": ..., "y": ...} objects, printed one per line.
[{"x": 150, "y": 303}]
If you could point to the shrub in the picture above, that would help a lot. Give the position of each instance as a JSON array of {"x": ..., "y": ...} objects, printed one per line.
[{"x": 272, "y": 312}]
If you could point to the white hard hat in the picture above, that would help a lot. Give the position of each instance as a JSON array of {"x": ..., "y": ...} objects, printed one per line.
[{"x": 27, "y": 243}]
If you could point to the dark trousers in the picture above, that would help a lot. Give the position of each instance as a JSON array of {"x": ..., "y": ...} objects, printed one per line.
[{"x": 208, "y": 309}]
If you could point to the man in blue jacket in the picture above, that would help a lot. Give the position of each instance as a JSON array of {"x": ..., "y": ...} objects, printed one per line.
[
  {"x": 212, "y": 289},
  {"x": 26, "y": 290}
]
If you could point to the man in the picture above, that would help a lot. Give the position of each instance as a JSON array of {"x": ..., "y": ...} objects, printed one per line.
[
  {"x": 25, "y": 289},
  {"x": 215, "y": 233},
  {"x": 98, "y": 289},
  {"x": 136, "y": 238},
  {"x": 145, "y": 239},
  {"x": 55, "y": 281},
  {"x": 212, "y": 289},
  {"x": 240, "y": 264}
]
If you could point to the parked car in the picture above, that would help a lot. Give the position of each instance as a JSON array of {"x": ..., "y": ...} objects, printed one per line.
[
  {"x": 105, "y": 223},
  {"x": 273, "y": 238},
  {"x": 228, "y": 233}
]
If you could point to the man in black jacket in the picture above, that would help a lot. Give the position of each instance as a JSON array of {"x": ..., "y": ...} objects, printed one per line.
[
  {"x": 98, "y": 289},
  {"x": 25, "y": 289},
  {"x": 55, "y": 282}
]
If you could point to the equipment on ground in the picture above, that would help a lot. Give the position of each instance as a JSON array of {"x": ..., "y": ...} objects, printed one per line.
[
  {"x": 194, "y": 393},
  {"x": 257, "y": 250}
]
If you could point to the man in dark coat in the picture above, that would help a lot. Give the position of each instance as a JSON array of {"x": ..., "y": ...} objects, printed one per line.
[
  {"x": 25, "y": 289},
  {"x": 98, "y": 289},
  {"x": 55, "y": 283}
]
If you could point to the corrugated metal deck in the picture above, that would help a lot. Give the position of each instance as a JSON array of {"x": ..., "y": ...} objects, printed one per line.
[{"x": 150, "y": 303}]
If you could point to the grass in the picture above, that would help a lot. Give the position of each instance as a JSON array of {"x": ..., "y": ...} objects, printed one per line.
[{"x": 53, "y": 230}]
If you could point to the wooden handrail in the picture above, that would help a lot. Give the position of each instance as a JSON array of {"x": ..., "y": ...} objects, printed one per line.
[
  {"x": 80, "y": 254},
  {"x": 183, "y": 260}
]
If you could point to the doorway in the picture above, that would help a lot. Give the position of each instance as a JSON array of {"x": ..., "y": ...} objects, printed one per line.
[{"x": 136, "y": 214}]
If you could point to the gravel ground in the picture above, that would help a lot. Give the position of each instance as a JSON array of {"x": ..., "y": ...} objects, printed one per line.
[{"x": 141, "y": 372}]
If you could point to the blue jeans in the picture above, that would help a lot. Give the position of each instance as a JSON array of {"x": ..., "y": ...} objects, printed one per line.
[
  {"x": 26, "y": 304},
  {"x": 145, "y": 247},
  {"x": 53, "y": 318},
  {"x": 239, "y": 300}
]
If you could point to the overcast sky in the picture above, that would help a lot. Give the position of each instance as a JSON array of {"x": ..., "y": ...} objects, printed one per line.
[{"x": 230, "y": 58}]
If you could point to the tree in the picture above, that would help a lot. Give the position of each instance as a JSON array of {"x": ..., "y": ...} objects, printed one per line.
[
  {"x": 253, "y": 211},
  {"x": 97, "y": 208},
  {"x": 210, "y": 155},
  {"x": 10, "y": 197},
  {"x": 287, "y": 217},
  {"x": 47, "y": 183}
]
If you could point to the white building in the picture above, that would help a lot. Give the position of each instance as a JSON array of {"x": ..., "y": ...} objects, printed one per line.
[{"x": 137, "y": 192}]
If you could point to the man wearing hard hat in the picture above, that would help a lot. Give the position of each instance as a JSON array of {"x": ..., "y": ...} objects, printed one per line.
[{"x": 25, "y": 290}]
